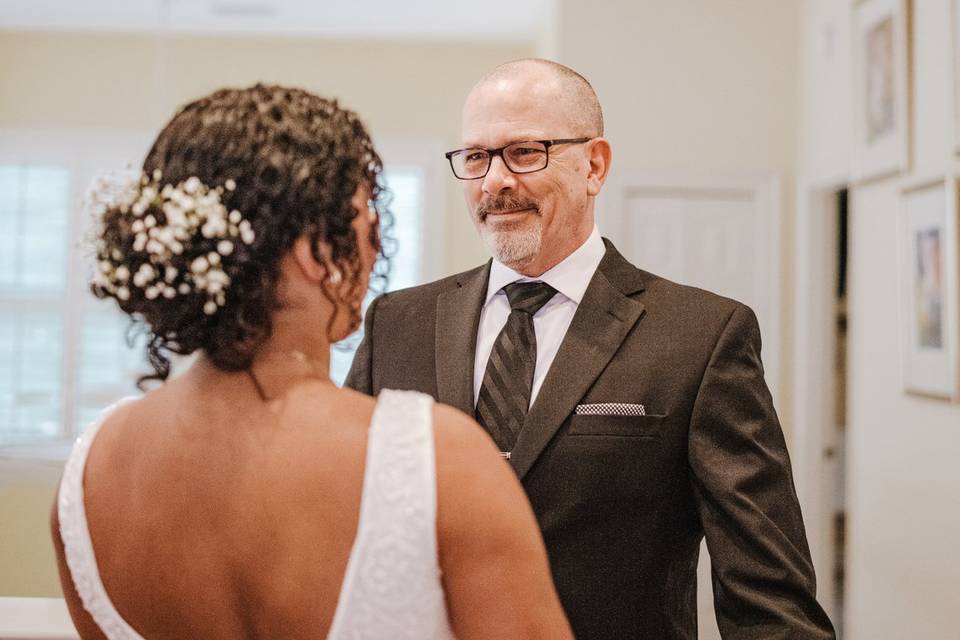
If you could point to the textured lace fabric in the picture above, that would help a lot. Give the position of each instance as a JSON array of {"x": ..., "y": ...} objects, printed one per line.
[
  {"x": 392, "y": 585},
  {"x": 77, "y": 546}
]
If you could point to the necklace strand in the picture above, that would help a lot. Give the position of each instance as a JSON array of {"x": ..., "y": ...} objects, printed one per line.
[{"x": 300, "y": 357}]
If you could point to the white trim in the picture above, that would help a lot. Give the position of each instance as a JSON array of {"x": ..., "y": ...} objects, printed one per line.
[
  {"x": 813, "y": 364},
  {"x": 36, "y": 618}
]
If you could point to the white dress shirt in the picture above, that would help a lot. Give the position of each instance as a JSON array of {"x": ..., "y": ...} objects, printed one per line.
[{"x": 570, "y": 278}]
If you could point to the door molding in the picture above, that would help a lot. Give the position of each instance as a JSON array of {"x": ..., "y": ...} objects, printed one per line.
[{"x": 813, "y": 358}]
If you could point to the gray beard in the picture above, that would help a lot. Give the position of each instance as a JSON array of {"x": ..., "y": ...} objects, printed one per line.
[{"x": 514, "y": 248}]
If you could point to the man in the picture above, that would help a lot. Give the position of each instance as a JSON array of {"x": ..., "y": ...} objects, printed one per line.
[{"x": 633, "y": 409}]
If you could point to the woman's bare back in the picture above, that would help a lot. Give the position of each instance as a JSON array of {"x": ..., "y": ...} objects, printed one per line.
[{"x": 225, "y": 514}]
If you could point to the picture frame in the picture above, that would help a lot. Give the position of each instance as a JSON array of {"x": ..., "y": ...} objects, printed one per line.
[
  {"x": 881, "y": 88},
  {"x": 955, "y": 69},
  {"x": 928, "y": 267}
]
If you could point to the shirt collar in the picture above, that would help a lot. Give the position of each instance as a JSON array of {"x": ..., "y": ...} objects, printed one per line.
[{"x": 570, "y": 277}]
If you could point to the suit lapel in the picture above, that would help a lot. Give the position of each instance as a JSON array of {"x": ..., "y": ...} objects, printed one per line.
[
  {"x": 602, "y": 321},
  {"x": 458, "y": 317}
]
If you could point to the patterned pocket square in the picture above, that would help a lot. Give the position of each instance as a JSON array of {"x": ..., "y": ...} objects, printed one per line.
[{"x": 610, "y": 409}]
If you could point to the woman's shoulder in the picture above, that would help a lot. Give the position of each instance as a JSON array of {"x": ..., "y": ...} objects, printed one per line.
[
  {"x": 467, "y": 459},
  {"x": 458, "y": 435}
]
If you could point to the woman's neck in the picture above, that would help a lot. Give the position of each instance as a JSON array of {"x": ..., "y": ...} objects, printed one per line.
[{"x": 276, "y": 371}]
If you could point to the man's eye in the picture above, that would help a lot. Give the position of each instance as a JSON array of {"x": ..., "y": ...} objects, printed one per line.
[{"x": 475, "y": 156}]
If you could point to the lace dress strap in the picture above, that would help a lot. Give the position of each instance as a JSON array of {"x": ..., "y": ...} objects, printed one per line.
[
  {"x": 392, "y": 585},
  {"x": 77, "y": 545}
]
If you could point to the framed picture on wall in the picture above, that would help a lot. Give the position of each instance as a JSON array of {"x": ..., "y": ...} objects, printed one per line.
[
  {"x": 955, "y": 30},
  {"x": 928, "y": 289},
  {"x": 881, "y": 88}
]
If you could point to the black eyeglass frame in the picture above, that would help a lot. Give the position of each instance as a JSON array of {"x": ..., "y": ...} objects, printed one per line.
[{"x": 491, "y": 153}]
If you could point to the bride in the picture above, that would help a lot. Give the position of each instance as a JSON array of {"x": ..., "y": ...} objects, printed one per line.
[{"x": 250, "y": 497}]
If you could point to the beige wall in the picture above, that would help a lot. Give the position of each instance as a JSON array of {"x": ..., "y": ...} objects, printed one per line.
[
  {"x": 903, "y": 525},
  {"x": 135, "y": 82},
  {"x": 705, "y": 87},
  {"x": 27, "y": 566}
]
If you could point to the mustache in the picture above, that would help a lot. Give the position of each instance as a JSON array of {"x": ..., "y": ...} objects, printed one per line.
[{"x": 499, "y": 204}]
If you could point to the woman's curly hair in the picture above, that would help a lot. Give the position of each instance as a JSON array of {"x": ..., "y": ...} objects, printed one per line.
[{"x": 296, "y": 161}]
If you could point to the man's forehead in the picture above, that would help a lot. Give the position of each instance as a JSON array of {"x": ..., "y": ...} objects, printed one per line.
[
  {"x": 519, "y": 88},
  {"x": 502, "y": 111}
]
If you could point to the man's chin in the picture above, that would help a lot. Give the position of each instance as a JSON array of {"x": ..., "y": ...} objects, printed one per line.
[{"x": 512, "y": 249}]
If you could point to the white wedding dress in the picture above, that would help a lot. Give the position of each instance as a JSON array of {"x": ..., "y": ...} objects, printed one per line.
[{"x": 391, "y": 588}]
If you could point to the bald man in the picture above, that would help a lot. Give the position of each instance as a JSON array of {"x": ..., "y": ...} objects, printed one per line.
[{"x": 633, "y": 409}]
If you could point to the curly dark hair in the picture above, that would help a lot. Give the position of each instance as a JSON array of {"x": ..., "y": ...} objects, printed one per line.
[{"x": 296, "y": 160}]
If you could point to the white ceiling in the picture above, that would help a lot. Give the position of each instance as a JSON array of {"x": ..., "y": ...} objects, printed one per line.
[{"x": 516, "y": 21}]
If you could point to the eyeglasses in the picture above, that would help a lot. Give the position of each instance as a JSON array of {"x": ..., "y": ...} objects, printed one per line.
[{"x": 519, "y": 157}]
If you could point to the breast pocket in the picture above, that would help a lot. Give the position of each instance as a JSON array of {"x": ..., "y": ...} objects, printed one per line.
[{"x": 625, "y": 426}]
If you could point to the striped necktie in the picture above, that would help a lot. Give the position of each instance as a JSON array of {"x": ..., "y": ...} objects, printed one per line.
[{"x": 507, "y": 382}]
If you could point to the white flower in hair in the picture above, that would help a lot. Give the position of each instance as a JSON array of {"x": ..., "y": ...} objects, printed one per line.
[
  {"x": 246, "y": 232},
  {"x": 117, "y": 189},
  {"x": 199, "y": 265},
  {"x": 168, "y": 221},
  {"x": 155, "y": 247}
]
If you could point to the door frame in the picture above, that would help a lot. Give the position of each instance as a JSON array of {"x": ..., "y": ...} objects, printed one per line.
[{"x": 814, "y": 355}]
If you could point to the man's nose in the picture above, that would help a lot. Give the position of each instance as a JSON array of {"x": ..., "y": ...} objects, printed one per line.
[{"x": 499, "y": 178}]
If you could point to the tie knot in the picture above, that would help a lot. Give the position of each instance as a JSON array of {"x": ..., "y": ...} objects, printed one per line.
[{"x": 528, "y": 296}]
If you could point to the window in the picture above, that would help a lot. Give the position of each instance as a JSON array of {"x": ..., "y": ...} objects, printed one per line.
[
  {"x": 64, "y": 355},
  {"x": 406, "y": 266},
  {"x": 33, "y": 211}
]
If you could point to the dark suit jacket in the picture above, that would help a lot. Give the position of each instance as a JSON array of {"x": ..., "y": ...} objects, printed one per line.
[{"x": 623, "y": 502}]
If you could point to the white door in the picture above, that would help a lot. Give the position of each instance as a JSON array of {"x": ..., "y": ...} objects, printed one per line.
[{"x": 721, "y": 234}]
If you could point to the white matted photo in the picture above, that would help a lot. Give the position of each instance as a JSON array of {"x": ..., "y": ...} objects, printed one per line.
[
  {"x": 928, "y": 289},
  {"x": 955, "y": 30},
  {"x": 881, "y": 87}
]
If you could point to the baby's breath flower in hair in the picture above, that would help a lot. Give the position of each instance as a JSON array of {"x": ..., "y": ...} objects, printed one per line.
[{"x": 162, "y": 220}]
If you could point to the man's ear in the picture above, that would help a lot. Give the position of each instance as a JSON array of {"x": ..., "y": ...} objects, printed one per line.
[
  {"x": 600, "y": 155},
  {"x": 303, "y": 257}
]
